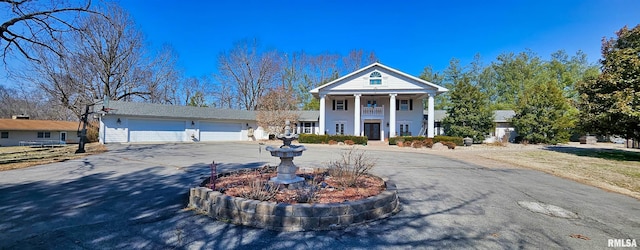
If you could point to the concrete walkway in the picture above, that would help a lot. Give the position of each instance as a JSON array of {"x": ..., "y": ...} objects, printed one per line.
[{"x": 134, "y": 197}]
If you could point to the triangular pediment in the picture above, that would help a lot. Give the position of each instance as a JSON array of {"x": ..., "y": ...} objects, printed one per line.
[{"x": 378, "y": 78}]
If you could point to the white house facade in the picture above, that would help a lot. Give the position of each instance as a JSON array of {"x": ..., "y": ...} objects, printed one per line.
[{"x": 377, "y": 102}]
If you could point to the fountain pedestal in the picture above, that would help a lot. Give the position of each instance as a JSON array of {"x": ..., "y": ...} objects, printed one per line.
[{"x": 286, "y": 153}]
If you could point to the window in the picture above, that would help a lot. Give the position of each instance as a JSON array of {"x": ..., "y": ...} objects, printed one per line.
[
  {"x": 306, "y": 128},
  {"x": 44, "y": 134},
  {"x": 340, "y": 128},
  {"x": 372, "y": 103},
  {"x": 375, "y": 78},
  {"x": 340, "y": 105},
  {"x": 4, "y": 135},
  {"x": 404, "y": 104}
]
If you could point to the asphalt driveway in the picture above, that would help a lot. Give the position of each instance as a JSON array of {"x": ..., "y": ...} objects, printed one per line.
[{"x": 134, "y": 196}]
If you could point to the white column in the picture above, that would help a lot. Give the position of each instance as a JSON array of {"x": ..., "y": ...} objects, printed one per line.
[
  {"x": 430, "y": 118},
  {"x": 356, "y": 116},
  {"x": 322, "y": 115},
  {"x": 392, "y": 115}
]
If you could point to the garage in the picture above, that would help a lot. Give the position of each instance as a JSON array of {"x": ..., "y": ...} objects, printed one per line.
[
  {"x": 220, "y": 131},
  {"x": 156, "y": 131}
]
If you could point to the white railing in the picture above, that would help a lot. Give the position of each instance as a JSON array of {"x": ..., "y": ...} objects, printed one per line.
[{"x": 373, "y": 111}]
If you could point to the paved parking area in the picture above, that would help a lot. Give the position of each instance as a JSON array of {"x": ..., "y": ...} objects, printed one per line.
[{"x": 134, "y": 197}]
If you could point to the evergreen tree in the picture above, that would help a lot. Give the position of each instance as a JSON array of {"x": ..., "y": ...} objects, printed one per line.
[
  {"x": 468, "y": 113},
  {"x": 610, "y": 103},
  {"x": 543, "y": 115}
]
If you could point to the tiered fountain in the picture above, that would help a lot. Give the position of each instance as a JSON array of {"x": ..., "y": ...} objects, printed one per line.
[{"x": 286, "y": 153}]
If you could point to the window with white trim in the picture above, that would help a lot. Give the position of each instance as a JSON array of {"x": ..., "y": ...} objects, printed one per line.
[
  {"x": 306, "y": 127},
  {"x": 341, "y": 104},
  {"x": 375, "y": 78},
  {"x": 4, "y": 135},
  {"x": 44, "y": 134},
  {"x": 404, "y": 105},
  {"x": 340, "y": 128}
]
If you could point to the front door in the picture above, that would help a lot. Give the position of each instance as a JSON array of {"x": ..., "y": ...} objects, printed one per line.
[{"x": 372, "y": 131}]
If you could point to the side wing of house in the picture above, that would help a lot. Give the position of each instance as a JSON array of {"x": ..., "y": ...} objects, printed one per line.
[{"x": 156, "y": 123}]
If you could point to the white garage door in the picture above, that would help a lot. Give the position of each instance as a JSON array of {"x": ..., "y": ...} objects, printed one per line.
[
  {"x": 220, "y": 131},
  {"x": 156, "y": 131}
]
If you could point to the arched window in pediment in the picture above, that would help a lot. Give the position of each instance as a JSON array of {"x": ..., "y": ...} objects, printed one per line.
[{"x": 375, "y": 78}]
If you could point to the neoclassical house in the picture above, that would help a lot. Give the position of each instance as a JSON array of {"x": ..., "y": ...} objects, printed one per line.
[{"x": 378, "y": 102}]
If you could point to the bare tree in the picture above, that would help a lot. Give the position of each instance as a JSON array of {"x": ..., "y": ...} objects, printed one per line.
[
  {"x": 105, "y": 59},
  {"x": 38, "y": 24},
  {"x": 251, "y": 72},
  {"x": 162, "y": 77},
  {"x": 357, "y": 59},
  {"x": 197, "y": 92},
  {"x": 31, "y": 102},
  {"x": 277, "y": 105}
]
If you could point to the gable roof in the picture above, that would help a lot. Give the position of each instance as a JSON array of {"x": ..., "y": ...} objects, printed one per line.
[
  {"x": 177, "y": 111},
  {"x": 438, "y": 88},
  {"x": 190, "y": 112},
  {"x": 37, "y": 125},
  {"x": 503, "y": 115}
]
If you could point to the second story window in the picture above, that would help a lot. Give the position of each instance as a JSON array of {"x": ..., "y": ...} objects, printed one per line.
[{"x": 340, "y": 104}]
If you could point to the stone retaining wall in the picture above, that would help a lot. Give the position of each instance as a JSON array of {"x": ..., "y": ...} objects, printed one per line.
[{"x": 294, "y": 217}]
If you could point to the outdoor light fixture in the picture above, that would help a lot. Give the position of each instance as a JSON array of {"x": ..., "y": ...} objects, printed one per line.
[
  {"x": 247, "y": 124},
  {"x": 387, "y": 124},
  {"x": 193, "y": 123},
  {"x": 119, "y": 121}
]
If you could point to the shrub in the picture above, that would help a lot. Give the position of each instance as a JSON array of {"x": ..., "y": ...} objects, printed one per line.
[
  {"x": 312, "y": 138},
  {"x": 259, "y": 190},
  {"x": 456, "y": 140},
  {"x": 449, "y": 144},
  {"x": 416, "y": 144},
  {"x": 428, "y": 143},
  {"x": 352, "y": 165},
  {"x": 307, "y": 195},
  {"x": 349, "y": 142},
  {"x": 332, "y": 142},
  {"x": 395, "y": 140},
  {"x": 92, "y": 131}
]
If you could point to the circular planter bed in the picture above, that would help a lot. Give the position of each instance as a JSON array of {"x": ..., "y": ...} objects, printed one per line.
[{"x": 292, "y": 216}]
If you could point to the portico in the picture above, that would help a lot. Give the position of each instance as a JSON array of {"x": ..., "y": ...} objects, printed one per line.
[{"x": 378, "y": 102}]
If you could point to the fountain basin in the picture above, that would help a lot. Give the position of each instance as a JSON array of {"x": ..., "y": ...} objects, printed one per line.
[{"x": 286, "y": 152}]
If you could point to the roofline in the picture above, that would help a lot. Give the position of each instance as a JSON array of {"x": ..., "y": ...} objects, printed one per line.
[{"x": 440, "y": 89}]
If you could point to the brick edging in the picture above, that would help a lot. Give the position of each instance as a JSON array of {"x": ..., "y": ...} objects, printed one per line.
[{"x": 294, "y": 217}]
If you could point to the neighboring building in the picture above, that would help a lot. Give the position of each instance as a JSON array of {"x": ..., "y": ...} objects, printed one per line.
[
  {"x": 501, "y": 119},
  {"x": 377, "y": 102},
  {"x": 22, "y": 131}
]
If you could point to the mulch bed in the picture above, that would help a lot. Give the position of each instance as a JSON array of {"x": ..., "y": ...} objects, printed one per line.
[{"x": 326, "y": 188}]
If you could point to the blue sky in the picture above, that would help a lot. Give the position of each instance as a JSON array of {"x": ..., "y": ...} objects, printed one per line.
[{"x": 406, "y": 35}]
